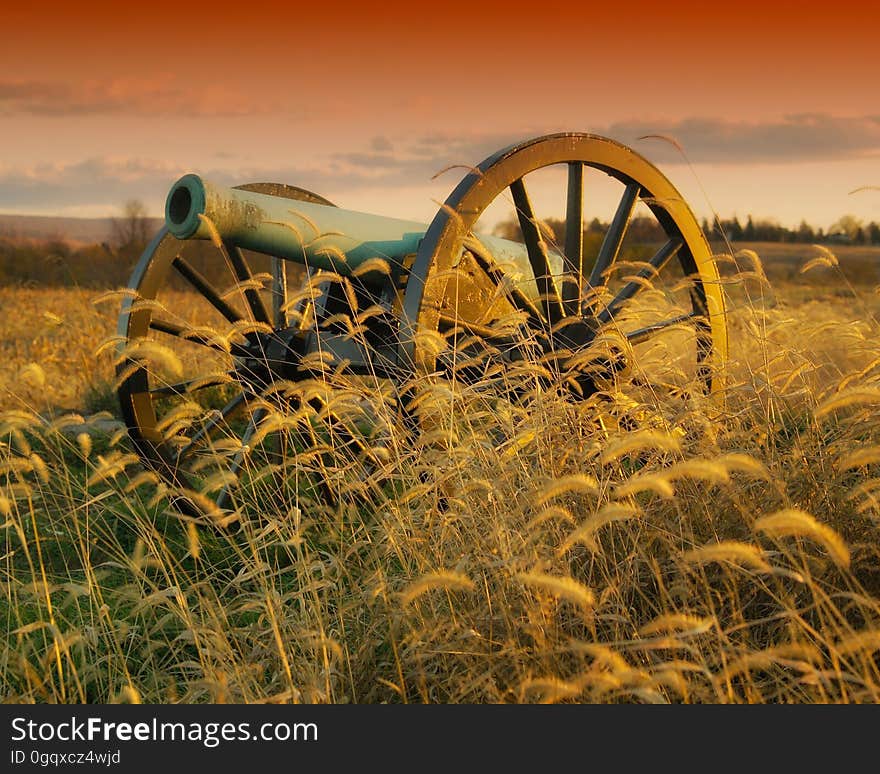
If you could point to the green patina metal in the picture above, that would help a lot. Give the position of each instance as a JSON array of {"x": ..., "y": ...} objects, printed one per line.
[{"x": 316, "y": 235}]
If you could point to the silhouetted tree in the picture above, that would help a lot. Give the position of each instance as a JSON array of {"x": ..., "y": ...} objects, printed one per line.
[
  {"x": 646, "y": 230},
  {"x": 805, "y": 232},
  {"x": 131, "y": 232},
  {"x": 735, "y": 230}
]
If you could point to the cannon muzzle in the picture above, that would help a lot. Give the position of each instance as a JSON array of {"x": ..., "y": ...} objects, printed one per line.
[{"x": 316, "y": 235}]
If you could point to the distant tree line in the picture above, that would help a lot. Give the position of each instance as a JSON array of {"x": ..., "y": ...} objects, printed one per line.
[
  {"x": 847, "y": 230},
  {"x": 108, "y": 264},
  {"x": 56, "y": 262},
  {"x": 640, "y": 229},
  {"x": 105, "y": 265}
]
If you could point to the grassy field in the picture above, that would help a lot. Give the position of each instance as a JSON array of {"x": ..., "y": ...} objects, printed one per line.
[{"x": 615, "y": 549}]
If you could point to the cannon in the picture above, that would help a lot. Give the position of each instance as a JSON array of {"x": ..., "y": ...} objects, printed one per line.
[{"x": 392, "y": 300}]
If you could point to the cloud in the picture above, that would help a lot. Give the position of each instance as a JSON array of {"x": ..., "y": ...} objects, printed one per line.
[
  {"x": 417, "y": 162},
  {"x": 104, "y": 184},
  {"x": 122, "y": 96},
  {"x": 95, "y": 182},
  {"x": 371, "y": 160},
  {"x": 794, "y": 138},
  {"x": 381, "y": 143},
  {"x": 386, "y": 164}
]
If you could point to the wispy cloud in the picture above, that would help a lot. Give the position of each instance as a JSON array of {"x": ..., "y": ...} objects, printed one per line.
[
  {"x": 104, "y": 182},
  {"x": 121, "y": 96},
  {"x": 794, "y": 138},
  {"x": 416, "y": 161},
  {"x": 381, "y": 143},
  {"x": 391, "y": 163}
]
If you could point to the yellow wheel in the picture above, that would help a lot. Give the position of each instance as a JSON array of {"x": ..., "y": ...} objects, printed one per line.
[{"x": 634, "y": 292}]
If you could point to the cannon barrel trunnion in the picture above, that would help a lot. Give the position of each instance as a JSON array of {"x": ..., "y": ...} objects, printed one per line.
[{"x": 388, "y": 300}]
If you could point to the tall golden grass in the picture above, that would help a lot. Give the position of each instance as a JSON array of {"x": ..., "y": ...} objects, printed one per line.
[{"x": 632, "y": 547}]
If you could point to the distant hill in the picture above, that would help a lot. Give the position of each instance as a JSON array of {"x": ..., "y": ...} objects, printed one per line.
[{"x": 74, "y": 231}]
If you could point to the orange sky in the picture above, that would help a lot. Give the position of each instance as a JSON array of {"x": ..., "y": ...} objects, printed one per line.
[{"x": 775, "y": 104}]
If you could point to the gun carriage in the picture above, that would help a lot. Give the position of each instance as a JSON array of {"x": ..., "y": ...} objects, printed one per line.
[{"x": 392, "y": 301}]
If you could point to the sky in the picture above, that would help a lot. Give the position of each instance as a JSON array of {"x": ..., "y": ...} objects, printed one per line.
[{"x": 773, "y": 106}]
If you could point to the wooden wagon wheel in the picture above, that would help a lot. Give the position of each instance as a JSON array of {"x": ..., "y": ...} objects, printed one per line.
[
  {"x": 594, "y": 297},
  {"x": 183, "y": 425}
]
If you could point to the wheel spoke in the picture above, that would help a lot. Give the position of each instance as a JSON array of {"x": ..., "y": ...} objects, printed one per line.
[
  {"x": 475, "y": 353},
  {"x": 449, "y": 323},
  {"x": 643, "y": 334},
  {"x": 200, "y": 283},
  {"x": 574, "y": 239},
  {"x": 244, "y": 274},
  {"x": 213, "y": 423},
  {"x": 537, "y": 249},
  {"x": 503, "y": 340},
  {"x": 224, "y": 496},
  {"x": 279, "y": 293},
  {"x": 182, "y": 388},
  {"x": 615, "y": 234},
  {"x": 173, "y": 329},
  {"x": 656, "y": 264}
]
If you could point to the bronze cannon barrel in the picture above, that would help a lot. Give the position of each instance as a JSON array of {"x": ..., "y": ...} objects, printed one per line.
[{"x": 316, "y": 235}]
